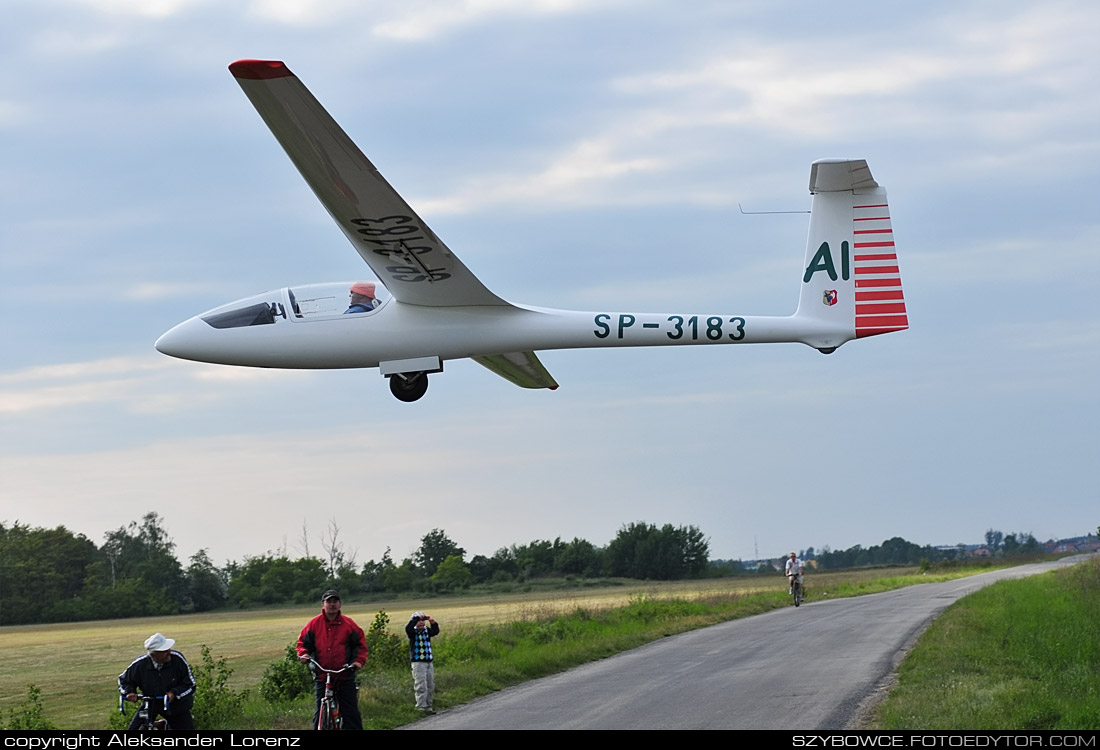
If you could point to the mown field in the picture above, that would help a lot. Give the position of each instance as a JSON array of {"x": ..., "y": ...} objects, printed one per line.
[{"x": 76, "y": 664}]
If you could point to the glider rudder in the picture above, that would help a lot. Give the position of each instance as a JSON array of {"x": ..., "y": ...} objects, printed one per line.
[{"x": 851, "y": 285}]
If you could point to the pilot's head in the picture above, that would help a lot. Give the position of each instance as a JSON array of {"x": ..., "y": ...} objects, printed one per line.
[{"x": 362, "y": 293}]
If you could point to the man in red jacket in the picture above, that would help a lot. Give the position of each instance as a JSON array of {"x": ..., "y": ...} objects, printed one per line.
[{"x": 334, "y": 641}]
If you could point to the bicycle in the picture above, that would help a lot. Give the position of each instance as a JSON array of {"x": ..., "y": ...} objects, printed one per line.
[
  {"x": 796, "y": 590},
  {"x": 328, "y": 714},
  {"x": 145, "y": 718}
]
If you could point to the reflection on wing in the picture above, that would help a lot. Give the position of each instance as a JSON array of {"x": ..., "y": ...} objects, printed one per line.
[
  {"x": 522, "y": 368},
  {"x": 404, "y": 253}
]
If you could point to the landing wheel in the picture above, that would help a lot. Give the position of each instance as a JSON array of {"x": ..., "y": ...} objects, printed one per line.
[{"x": 409, "y": 386}]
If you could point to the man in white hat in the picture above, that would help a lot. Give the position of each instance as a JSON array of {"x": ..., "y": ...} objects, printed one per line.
[{"x": 162, "y": 672}]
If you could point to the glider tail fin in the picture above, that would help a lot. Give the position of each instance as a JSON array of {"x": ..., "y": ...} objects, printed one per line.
[{"x": 851, "y": 285}]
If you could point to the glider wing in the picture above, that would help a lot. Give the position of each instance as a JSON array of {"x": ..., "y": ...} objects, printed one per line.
[{"x": 403, "y": 252}]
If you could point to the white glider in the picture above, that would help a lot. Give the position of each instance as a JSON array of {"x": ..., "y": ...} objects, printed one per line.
[{"x": 433, "y": 309}]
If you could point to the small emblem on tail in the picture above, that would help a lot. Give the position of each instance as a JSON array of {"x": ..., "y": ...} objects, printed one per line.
[{"x": 829, "y": 298}]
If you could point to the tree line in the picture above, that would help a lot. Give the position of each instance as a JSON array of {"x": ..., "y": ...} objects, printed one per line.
[
  {"x": 56, "y": 575},
  {"x": 897, "y": 551}
]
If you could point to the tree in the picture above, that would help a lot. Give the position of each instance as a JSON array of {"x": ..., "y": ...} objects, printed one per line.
[
  {"x": 993, "y": 540},
  {"x": 399, "y": 577},
  {"x": 537, "y": 558},
  {"x": 340, "y": 561},
  {"x": 435, "y": 547},
  {"x": 147, "y": 554},
  {"x": 695, "y": 549},
  {"x": 373, "y": 574},
  {"x": 579, "y": 557},
  {"x": 1022, "y": 543},
  {"x": 207, "y": 586},
  {"x": 40, "y": 569},
  {"x": 452, "y": 574},
  {"x": 642, "y": 550}
]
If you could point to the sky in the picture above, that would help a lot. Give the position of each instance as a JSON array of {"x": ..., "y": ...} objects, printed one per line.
[{"x": 587, "y": 155}]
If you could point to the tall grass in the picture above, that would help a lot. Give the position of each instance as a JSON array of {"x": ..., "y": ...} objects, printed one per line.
[{"x": 1018, "y": 655}]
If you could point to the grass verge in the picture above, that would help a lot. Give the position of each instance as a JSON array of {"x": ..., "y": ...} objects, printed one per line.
[{"x": 1018, "y": 655}]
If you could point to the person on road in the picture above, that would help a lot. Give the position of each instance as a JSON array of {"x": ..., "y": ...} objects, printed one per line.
[
  {"x": 162, "y": 672},
  {"x": 794, "y": 572},
  {"x": 333, "y": 641}
]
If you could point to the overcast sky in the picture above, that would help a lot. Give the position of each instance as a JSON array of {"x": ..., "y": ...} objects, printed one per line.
[{"x": 573, "y": 154}]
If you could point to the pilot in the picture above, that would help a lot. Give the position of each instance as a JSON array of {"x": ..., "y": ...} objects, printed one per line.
[{"x": 362, "y": 297}]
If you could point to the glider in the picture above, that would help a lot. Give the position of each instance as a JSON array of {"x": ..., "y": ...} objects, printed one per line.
[{"x": 429, "y": 308}]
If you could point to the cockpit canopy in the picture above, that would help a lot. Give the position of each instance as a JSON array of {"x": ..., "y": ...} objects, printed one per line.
[{"x": 307, "y": 302}]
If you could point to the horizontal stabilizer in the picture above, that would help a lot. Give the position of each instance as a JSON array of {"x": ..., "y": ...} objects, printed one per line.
[{"x": 832, "y": 175}]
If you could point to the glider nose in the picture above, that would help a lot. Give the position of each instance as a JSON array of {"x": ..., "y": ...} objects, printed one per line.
[{"x": 182, "y": 341}]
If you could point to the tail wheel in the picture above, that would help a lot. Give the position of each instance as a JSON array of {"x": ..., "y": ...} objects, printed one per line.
[{"x": 408, "y": 386}]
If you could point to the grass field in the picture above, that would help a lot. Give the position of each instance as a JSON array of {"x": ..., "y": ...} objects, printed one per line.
[
  {"x": 1018, "y": 655},
  {"x": 76, "y": 664}
]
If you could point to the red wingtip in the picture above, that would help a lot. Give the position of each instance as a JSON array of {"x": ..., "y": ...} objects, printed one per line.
[{"x": 259, "y": 70}]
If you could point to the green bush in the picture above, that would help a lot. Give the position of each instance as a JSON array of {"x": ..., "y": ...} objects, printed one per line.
[
  {"x": 385, "y": 650},
  {"x": 286, "y": 679},
  {"x": 216, "y": 706},
  {"x": 117, "y": 720},
  {"x": 28, "y": 715}
]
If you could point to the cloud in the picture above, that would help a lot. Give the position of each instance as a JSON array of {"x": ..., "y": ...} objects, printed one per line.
[
  {"x": 143, "y": 385},
  {"x": 960, "y": 94},
  {"x": 1070, "y": 335},
  {"x": 407, "y": 20},
  {"x": 153, "y": 290},
  {"x": 79, "y": 383},
  {"x": 420, "y": 21},
  {"x": 980, "y": 263},
  {"x": 894, "y": 82},
  {"x": 581, "y": 174},
  {"x": 308, "y": 14},
  {"x": 141, "y": 8}
]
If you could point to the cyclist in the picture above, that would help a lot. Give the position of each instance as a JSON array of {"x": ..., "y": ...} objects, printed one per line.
[
  {"x": 161, "y": 671},
  {"x": 334, "y": 640},
  {"x": 794, "y": 572}
]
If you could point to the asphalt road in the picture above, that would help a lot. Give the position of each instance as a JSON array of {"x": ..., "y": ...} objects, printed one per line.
[{"x": 805, "y": 668}]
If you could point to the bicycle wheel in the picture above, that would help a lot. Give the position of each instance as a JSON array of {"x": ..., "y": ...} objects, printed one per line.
[
  {"x": 329, "y": 717},
  {"x": 797, "y": 593}
]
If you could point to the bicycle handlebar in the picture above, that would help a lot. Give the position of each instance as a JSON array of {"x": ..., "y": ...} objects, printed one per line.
[
  {"x": 141, "y": 698},
  {"x": 314, "y": 665}
]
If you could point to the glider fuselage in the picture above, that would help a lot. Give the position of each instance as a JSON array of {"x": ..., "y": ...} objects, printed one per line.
[{"x": 399, "y": 331}]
